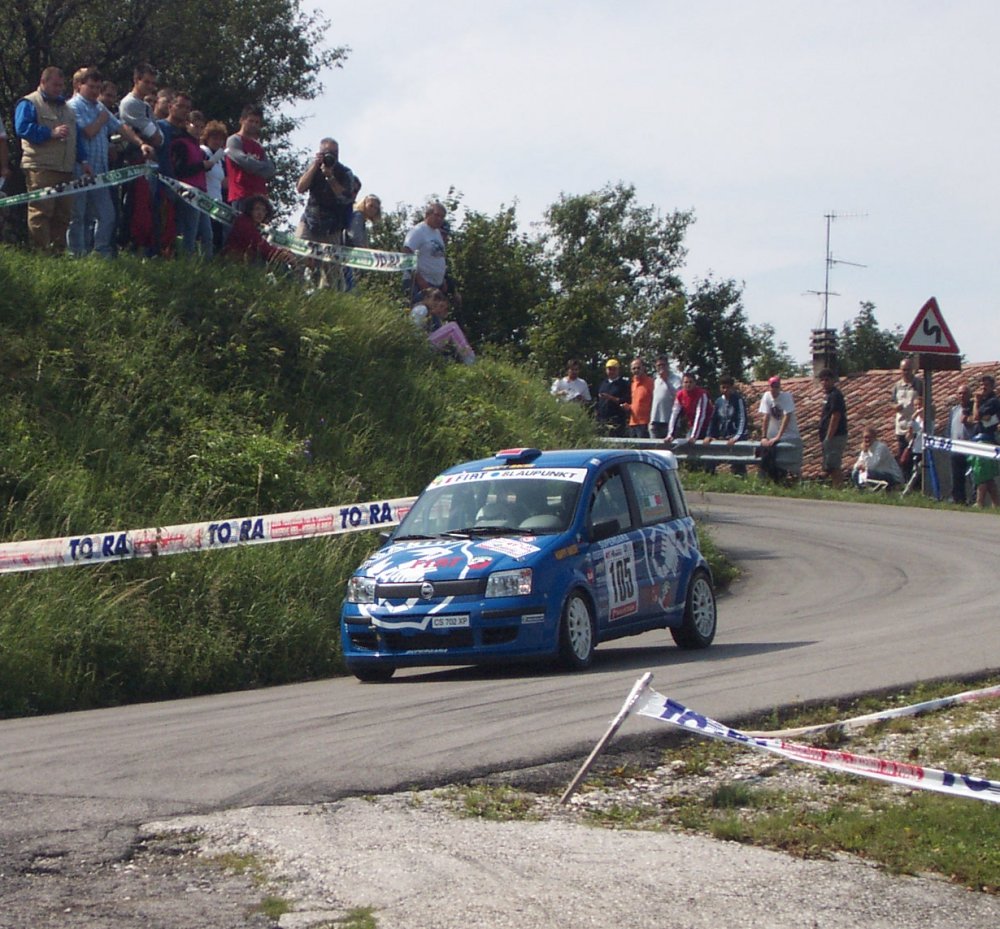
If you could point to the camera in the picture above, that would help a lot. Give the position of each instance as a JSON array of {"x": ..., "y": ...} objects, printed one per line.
[{"x": 329, "y": 159}]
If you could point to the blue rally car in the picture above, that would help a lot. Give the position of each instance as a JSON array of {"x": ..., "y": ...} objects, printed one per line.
[{"x": 531, "y": 553}]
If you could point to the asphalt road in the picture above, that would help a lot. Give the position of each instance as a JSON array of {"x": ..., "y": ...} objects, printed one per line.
[{"x": 838, "y": 599}]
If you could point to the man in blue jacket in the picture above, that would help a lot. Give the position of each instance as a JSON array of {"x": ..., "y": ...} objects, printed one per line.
[{"x": 729, "y": 420}]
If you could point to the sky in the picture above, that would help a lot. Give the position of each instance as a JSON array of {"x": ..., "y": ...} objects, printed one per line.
[{"x": 761, "y": 116}]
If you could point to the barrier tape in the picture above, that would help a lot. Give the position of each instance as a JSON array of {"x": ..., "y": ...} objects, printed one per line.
[
  {"x": 902, "y": 774},
  {"x": 200, "y": 200},
  {"x": 368, "y": 259},
  {"x": 963, "y": 447},
  {"x": 122, "y": 545},
  {"x": 94, "y": 182},
  {"x": 909, "y": 775},
  {"x": 914, "y": 709}
]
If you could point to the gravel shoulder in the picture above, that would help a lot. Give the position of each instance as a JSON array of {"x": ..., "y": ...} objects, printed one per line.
[
  {"x": 413, "y": 860},
  {"x": 415, "y": 864}
]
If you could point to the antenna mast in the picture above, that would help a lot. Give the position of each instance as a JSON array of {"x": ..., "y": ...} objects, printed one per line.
[{"x": 826, "y": 293}]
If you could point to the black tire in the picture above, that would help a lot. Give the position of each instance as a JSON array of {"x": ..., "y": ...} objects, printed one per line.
[
  {"x": 577, "y": 633},
  {"x": 372, "y": 673},
  {"x": 698, "y": 628}
]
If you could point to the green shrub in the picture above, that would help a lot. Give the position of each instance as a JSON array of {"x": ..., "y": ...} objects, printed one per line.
[{"x": 138, "y": 394}]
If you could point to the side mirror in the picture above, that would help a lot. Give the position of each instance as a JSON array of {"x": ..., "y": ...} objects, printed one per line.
[
  {"x": 604, "y": 530},
  {"x": 383, "y": 537}
]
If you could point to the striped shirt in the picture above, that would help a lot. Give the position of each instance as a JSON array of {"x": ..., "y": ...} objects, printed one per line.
[{"x": 97, "y": 147}]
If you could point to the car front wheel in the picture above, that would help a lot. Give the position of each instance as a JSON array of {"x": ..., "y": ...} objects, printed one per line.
[
  {"x": 577, "y": 633},
  {"x": 698, "y": 627}
]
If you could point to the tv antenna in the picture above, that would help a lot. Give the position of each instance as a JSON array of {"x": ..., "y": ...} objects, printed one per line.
[{"x": 826, "y": 293}]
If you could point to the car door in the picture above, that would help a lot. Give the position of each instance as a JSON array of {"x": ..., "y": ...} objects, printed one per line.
[
  {"x": 616, "y": 551},
  {"x": 664, "y": 540}
]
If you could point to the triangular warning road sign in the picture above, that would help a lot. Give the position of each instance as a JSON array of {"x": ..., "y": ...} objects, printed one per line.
[{"x": 929, "y": 332}]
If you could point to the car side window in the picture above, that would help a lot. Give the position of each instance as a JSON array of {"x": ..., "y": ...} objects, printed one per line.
[
  {"x": 652, "y": 496},
  {"x": 677, "y": 501},
  {"x": 610, "y": 502}
]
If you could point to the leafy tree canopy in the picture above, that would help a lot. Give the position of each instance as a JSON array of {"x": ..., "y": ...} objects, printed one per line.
[
  {"x": 633, "y": 251},
  {"x": 771, "y": 356},
  {"x": 863, "y": 346},
  {"x": 706, "y": 331},
  {"x": 601, "y": 278}
]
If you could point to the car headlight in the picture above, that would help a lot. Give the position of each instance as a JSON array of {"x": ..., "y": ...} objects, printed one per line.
[
  {"x": 361, "y": 589},
  {"x": 509, "y": 583}
]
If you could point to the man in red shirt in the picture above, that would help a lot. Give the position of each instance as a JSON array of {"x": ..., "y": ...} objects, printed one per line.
[
  {"x": 693, "y": 402},
  {"x": 247, "y": 167},
  {"x": 641, "y": 404}
]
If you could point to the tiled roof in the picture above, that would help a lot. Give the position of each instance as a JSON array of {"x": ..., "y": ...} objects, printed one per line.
[{"x": 868, "y": 398}]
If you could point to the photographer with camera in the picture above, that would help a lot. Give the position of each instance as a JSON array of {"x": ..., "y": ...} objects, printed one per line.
[{"x": 330, "y": 186}]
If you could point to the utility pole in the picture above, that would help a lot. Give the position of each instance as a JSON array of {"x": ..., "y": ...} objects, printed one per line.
[
  {"x": 824, "y": 339},
  {"x": 830, "y": 261}
]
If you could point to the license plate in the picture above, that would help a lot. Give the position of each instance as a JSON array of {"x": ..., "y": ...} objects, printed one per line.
[{"x": 450, "y": 622}]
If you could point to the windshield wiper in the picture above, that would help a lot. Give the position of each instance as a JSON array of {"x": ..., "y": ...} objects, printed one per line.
[
  {"x": 415, "y": 537},
  {"x": 483, "y": 530}
]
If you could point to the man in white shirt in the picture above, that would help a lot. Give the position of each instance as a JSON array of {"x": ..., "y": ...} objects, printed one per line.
[
  {"x": 426, "y": 242},
  {"x": 778, "y": 424},
  {"x": 572, "y": 388},
  {"x": 664, "y": 394},
  {"x": 960, "y": 427}
]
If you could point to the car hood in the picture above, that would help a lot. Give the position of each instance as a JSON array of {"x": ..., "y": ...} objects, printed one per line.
[{"x": 449, "y": 559}]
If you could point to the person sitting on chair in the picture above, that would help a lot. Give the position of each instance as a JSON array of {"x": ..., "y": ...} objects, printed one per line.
[{"x": 875, "y": 462}]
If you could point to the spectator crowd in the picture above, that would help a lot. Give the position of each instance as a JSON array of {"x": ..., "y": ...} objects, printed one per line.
[
  {"x": 84, "y": 131},
  {"x": 83, "y": 135},
  {"x": 679, "y": 413},
  {"x": 89, "y": 132}
]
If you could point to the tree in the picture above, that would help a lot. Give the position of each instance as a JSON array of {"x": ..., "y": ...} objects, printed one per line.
[
  {"x": 626, "y": 256},
  {"x": 771, "y": 357},
  {"x": 499, "y": 272},
  {"x": 225, "y": 54},
  {"x": 863, "y": 346},
  {"x": 705, "y": 331},
  {"x": 580, "y": 324},
  {"x": 500, "y": 275}
]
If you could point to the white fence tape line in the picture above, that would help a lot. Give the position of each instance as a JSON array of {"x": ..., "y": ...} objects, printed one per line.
[
  {"x": 963, "y": 447},
  {"x": 914, "y": 709},
  {"x": 902, "y": 774},
  {"x": 122, "y": 545}
]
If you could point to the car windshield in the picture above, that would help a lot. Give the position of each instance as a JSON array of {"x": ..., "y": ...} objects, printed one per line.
[{"x": 535, "y": 506}]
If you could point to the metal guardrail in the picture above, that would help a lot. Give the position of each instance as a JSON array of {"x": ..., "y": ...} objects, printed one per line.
[{"x": 788, "y": 456}]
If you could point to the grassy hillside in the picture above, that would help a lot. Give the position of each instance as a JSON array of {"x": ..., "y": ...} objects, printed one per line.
[{"x": 138, "y": 394}]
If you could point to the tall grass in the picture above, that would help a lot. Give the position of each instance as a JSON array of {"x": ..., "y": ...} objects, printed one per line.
[{"x": 136, "y": 394}]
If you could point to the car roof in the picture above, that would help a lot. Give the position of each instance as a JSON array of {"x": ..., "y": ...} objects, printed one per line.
[{"x": 564, "y": 458}]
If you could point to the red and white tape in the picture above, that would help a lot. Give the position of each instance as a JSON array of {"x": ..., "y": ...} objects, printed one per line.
[
  {"x": 914, "y": 709},
  {"x": 122, "y": 545},
  {"x": 902, "y": 774}
]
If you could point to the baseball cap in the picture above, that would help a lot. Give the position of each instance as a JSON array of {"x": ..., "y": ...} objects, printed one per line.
[
  {"x": 771, "y": 381},
  {"x": 612, "y": 363}
]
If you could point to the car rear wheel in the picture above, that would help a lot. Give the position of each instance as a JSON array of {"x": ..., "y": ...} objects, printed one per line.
[
  {"x": 577, "y": 633},
  {"x": 698, "y": 628},
  {"x": 372, "y": 673}
]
